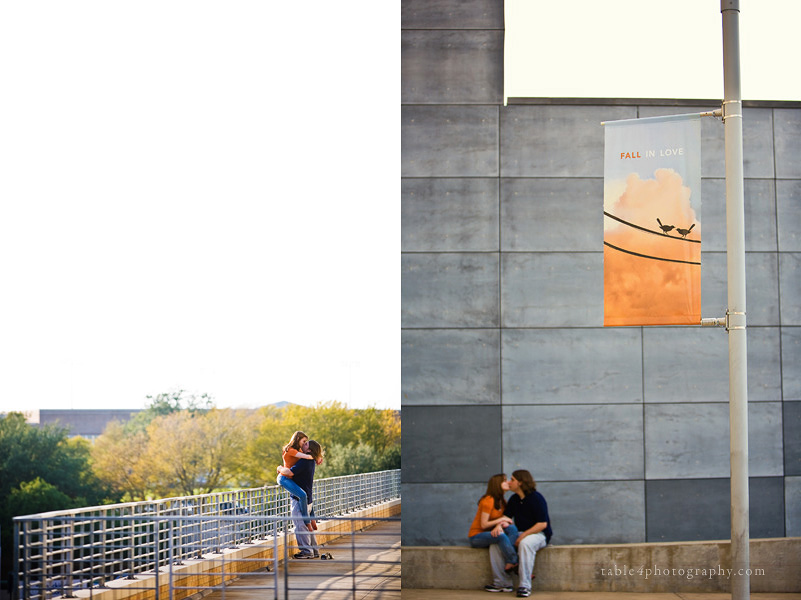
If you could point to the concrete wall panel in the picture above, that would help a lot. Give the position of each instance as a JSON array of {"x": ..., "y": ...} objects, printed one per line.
[
  {"x": 449, "y": 141},
  {"x": 450, "y": 366},
  {"x": 686, "y": 441},
  {"x": 699, "y": 509},
  {"x": 764, "y": 364},
  {"x": 792, "y": 503},
  {"x": 449, "y": 215},
  {"x": 449, "y": 290},
  {"x": 788, "y": 207},
  {"x": 790, "y": 285},
  {"x": 792, "y": 438},
  {"x": 788, "y": 142},
  {"x": 567, "y": 443},
  {"x": 685, "y": 364},
  {"x": 757, "y": 143},
  {"x": 572, "y": 366},
  {"x": 556, "y": 141},
  {"x": 552, "y": 289},
  {"x": 450, "y": 14},
  {"x": 450, "y": 443},
  {"x": 691, "y": 364},
  {"x": 442, "y": 512},
  {"x": 452, "y": 66},
  {"x": 692, "y": 440},
  {"x": 791, "y": 359},
  {"x": 761, "y": 282},
  {"x": 766, "y": 507},
  {"x": 551, "y": 215},
  {"x": 669, "y": 503},
  {"x": 617, "y": 515},
  {"x": 760, "y": 215}
]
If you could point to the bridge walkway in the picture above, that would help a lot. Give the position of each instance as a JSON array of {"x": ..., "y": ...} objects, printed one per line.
[{"x": 366, "y": 566}]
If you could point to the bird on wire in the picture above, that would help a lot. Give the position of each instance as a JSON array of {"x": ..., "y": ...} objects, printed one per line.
[
  {"x": 683, "y": 232},
  {"x": 664, "y": 228}
]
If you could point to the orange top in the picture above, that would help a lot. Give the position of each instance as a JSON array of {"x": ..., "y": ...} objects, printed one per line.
[
  {"x": 290, "y": 457},
  {"x": 485, "y": 505}
]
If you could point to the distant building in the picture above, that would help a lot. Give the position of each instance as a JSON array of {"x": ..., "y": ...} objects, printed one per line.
[{"x": 88, "y": 423}]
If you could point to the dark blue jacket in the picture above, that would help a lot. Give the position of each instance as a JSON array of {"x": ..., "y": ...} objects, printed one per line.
[
  {"x": 527, "y": 512},
  {"x": 304, "y": 476}
]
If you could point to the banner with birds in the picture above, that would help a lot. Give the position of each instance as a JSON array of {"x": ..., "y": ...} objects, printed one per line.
[{"x": 652, "y": 221}]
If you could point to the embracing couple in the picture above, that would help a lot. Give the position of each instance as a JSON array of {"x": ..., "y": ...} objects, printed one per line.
[
  {"x": 296, "y": 475},
  {"x": 514, "y": 530}
]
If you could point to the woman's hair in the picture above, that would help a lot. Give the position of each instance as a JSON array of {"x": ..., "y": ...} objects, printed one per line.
[
  {"x": 495, "y": 491},
  {"x": 315, "y": 449},
  {"x": 294, "y": 441},
  {"x": 526, "y": 481}
]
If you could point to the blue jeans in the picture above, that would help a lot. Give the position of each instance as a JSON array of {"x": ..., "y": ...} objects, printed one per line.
[
  {"x": 294, "y": 489},
  {"x": 307, "y": 541},
  {"x": 505, "y": 541}
]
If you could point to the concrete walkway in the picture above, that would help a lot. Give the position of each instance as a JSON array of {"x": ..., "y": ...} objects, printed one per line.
[
  {"x": 366, "y": 567},
  {"x": 416, "y": 594}
]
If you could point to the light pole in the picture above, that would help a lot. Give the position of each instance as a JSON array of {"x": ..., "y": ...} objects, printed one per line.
[{"x": 735, "y": 315}]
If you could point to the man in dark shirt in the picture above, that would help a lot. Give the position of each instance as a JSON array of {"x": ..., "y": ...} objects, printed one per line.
[{"x": 530, "y": 512}]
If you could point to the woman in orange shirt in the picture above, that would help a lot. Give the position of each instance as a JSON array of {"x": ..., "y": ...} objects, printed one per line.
[
  {"x": 490, "y": 526},
  {"x": 291, "y": 455}
]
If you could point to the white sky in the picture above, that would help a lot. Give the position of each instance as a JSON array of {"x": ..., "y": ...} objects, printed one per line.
[
  {"x": 647, "y": 49},
  {"x": 198, "y": 195}
]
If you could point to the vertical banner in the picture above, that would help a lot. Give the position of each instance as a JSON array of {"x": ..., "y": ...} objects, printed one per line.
[{"x": 652, "y": 221}]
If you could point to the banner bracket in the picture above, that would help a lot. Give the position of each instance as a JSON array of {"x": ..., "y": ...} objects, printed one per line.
[
  {"x": 724, "y": 321},
  {"x": 729, "y": 314},
  {"x": 713, "y": 113},
  {"x": 726, "y": 109}
]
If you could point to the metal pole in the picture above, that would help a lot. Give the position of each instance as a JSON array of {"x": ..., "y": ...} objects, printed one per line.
[{"x": 735, "y": 252}]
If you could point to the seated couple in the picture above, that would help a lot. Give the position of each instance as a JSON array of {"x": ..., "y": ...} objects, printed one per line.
[{"x": 512, "y": 530}]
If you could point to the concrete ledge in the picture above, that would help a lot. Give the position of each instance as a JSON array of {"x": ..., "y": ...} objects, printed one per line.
[
  {"x": 662, "y": 567},
  {"x": 196, "y": 575}
]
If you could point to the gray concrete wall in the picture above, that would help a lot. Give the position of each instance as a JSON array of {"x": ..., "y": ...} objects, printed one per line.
[{"x": 505, "y": 360}]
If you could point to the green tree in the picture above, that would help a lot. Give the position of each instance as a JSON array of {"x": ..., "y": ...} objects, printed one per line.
[
  {"x": 381, "y": 429},
  {"x": 262, "y": 453},
  {"x": 348, "y": 460},
  {"x": 190, "y": 453},
  {"x": 355, "y": 441},
  {"x": 32, "y": 497},
  {"x": 41, "y": 470},
  {"x": 327, "y": 422},
  {"x": 120, "y": 460}
]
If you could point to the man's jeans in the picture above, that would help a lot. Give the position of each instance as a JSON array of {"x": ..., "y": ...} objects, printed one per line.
[
  {"x": 294, "y": 489},
  {"x": 505, "y": 541},
  {"x": 307, "y": 541},
  {"x": 527, "y": 549}
]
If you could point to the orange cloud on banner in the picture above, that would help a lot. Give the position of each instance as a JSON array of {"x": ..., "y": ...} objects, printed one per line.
[{"x": 648, "y": 278}]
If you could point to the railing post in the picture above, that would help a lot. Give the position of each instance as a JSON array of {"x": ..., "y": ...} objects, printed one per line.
[
  {"x": 154, "y": 529},
  {"x": 69, "y": 539},
  {"x": 275, "y": 563},
  {"x": 170, "y": 555}
]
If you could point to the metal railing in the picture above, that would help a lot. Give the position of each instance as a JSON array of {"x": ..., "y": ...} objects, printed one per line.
[{"x": 59, "y": 552}]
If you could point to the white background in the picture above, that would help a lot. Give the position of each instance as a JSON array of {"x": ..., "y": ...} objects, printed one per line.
[{"x": 201, "y": 196}]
